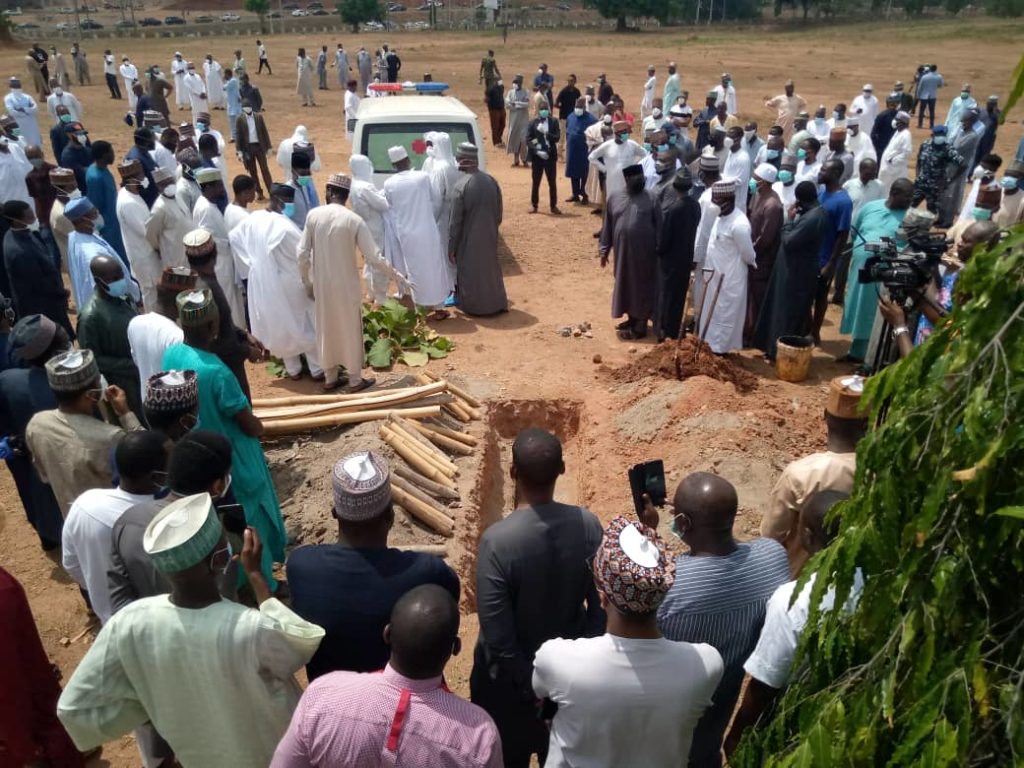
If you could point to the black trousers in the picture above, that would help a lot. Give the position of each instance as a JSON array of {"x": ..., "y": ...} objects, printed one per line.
[
  {"x": 673, "y": 285},
  {"x": 522, "y": 732},
  {"x": 921, "y": 104},
  {"x": 579, "y": 186},
  {"x": 264, "y": 63},
  {"x": 544, "y": 168},
  {"x": 115, "y": 89}
]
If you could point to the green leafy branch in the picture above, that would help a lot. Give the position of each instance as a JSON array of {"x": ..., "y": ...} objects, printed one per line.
[{"x": 393, "y": 333}]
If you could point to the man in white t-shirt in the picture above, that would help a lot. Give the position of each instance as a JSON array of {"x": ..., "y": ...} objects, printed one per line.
[
  {"x": 771, "y": 664},
  {"x": 629, "y": 697},
  {"x": 351, "y": 107},
  {"x": 151, "y": 333}
]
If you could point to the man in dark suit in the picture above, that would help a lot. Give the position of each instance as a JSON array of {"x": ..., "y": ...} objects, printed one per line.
[
  {"x": 253, "y": 142},
  {"x": 145, "y": 142},
  {"x": 542, "y": 144}
]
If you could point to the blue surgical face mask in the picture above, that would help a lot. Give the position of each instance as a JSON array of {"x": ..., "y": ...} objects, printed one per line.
[
  {"x": 981, "y": 214},
  {"x": 819, "y": 120},
  {"x": 118, "y": 288},
  {"x": 785, "y": 176},
  {"x": 203, "y": 127},
  {"x": 801, "y": 154},
  {"x": 647, "y": 146},
  {"x": 752, "y": 186},
  {"x": 772, "y": 154},
  {"x": 965, "y": 95},
  {"x": 289, "y": 210},
  {"x": 67, "y": 118},
  {"x": 305, "y": 181},
  {"x": 1009, "y": 182},
  {"x": 623, "y": 136},
  {"x": 663, "y": 147}
]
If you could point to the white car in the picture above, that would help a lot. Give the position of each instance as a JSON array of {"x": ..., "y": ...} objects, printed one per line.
[
  {"x": 403, "y": 119},
  {"x": 230, "y": 17},
  {"x": 299, "y": 12}
]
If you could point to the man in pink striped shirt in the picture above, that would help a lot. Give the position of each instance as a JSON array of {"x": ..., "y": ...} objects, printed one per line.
[{"x": 404, "y": 716}]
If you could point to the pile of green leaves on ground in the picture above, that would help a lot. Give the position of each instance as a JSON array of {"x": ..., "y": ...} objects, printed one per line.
[
  {"x": 929, "y": 668},
  {"x": 393, "y": 333}
]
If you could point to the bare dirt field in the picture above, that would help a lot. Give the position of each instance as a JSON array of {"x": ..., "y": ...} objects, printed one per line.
[{"x": 613, "y": 413}]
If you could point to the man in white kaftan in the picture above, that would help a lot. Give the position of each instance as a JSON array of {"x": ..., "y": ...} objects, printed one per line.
[
  {"x": 444, "y": 173},
  {"x": 859, "y": 142},
  {"x": 412, "y": 240},
  {"x": 737, "y": 166},
  {"x": 281, "y": 313},
  {"x": 726, "y": 92},
  {"x": 132, "y": 214},
  {"x": 179, "y": 68},
  {"x": 63, "y": 98},
  {"x": 206, "y": 215},
  {"x": 517, "y": 102},
  {"x": 23, "y": 109},
  {"x": 371, "y": 204},
  {"x": 616, "y": 154},
  {"x": 14, "y": 166},
  {"x": 865, "y": 107},
  {"x": 130, "y": 75},
  {"x": 298, "y": 140},
  {"x": 196, "y": 90},
  {"x": 214, "y": 82},
  {"x": 215, "y": 678},
  {"x": 730, "y": 253},
  {"x": 647, "y": 100},
  {"x": 169, "y": 221},
  {"x": 896, "y": 157}
]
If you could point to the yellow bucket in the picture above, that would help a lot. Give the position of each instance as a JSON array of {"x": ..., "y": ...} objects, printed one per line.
[{"x": 793, "y": 357}]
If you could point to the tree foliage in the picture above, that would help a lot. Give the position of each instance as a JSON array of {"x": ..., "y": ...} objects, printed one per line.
[
  {"x": 929, "y": 669},
  {"x": 393, "y": 332},
  {"x": 261, "y": 8},
  {"x": 356, "y": 12},
  {"x": 620, "y": 10}
]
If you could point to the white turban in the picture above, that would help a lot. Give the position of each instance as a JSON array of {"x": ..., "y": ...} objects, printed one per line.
[
  {"x": 766, "y": 172},
  {"x": 396, "y": 154}
]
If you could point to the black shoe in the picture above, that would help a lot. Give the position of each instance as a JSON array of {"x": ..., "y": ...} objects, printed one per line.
[
  {"x": 585, "y": 200},
  {"x": 556, "y": 211},
  {"x": 572, "y": 199}
]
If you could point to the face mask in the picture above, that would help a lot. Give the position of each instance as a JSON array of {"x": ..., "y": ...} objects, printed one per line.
[
  {"x": 836, "y": 116},
  {"x": 82, "y": 137},
  {"x": 978, "y": 173},
  {"x": 289, "y": 210},
  {"x": 819, "y": 120},
  {"x": 144, "y": 184},
  {"x": 431, "y": 152},
  {"x": 1008, "y": 182},
  {"x": 98, "y": 223},
  {"x": 515, "y": 86},
  {"x": 727, "y": 142},
  {"x": 67, "y": 118},
  {"x": 305, "y": 181},
  {"x": 981, "y": 214},
  {"x": 786, "y": 177},
  {"x": 74, "y": 194},
  {"x": 119, "y": 288},
  {"x": 544, "y": 114},
  {"x": 752, "y": 186},
  {"x": 772, "y": 154},
  {"x": 965, "y": 95},
  {"x": 203, "y": 127},
  {"x": 578, "y": 111},
  {"x": 16, "y": 132},
  {"x": 894, "y": 124},
  {"x": 37, "y": 162},
  {"x": 656, "y": 113},
  {"x": 34, "y": 226},
  {"x": 853, "y": 131},
  {"x": 938, "y": 140},
  {"x": 801, "y": 154},
  {"x": 623, "y": 136},
  {"x": 247, "y": 110},
  {"x": 58, "y": 92},
  {"x": 748, "y": 135},
  {"x": 647, "y": 146},
  {"x": 663, "y": 147},
  {"x": 169, "y": 191}
]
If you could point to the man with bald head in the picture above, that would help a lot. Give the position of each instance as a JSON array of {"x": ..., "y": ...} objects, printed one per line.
[
  {"x": 532, "y": 585},
  {"x": 405, "y": 715},
  {"x": 103, "y": 327},
  {"x": 719, "y": 595}
]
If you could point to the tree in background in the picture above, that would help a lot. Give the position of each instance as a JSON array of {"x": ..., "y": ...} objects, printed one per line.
[
  {"x": 261, "y": 8},
  {"x": 356, "y": 12},
  {"x": 621, "y": 9},
  {"x": 928, "y": 670}
]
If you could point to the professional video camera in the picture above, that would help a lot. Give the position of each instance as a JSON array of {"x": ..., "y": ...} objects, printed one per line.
[{"x": 903, "y": 272}]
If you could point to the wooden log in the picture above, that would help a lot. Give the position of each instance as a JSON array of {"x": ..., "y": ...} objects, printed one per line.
[
  {"x": 417, "y": 462},
  {"x": 458, "y": 391},
  {"x": 443, "y": 465},
  {"x": 439, "y": 439},
  {"x": 458, "y": 410},
  {"x": 395, "y": 423},
  {"x": 291, "y": 426},
  {"x": 424, "y": 512},
  {"x": 270, "y": 402},
  {"x": 412, "y": 490},
  {"x": 372, "y": 400},
  {"x": 438, "y": 550},
  {"x": 436, "y": 490},
  {"x": 454, "y": 434}
]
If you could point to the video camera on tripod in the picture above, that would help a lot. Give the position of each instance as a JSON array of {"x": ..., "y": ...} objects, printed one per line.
[{"x": 903, "y": 272}]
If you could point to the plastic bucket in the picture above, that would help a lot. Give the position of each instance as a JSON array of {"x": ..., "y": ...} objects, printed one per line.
[{"x": 793, "y": 357}]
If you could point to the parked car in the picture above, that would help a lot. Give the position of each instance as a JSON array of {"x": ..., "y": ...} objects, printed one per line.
[
  {"x": 172, "y": 20},
  {"x": 65, "y": 10},
  {"x": 28, "y": 27},
  {"x": 125, "y": 24},
  {"x": 396, "y": 8},
  {"x": 230, "y": 17},
  {"x": 89, "y": 9},
  {"x": 149, "y": 21},
  {"x": 274, "y": 15},
  {"x": 290, "y": 7},
  {"x": 319, "y": 12},
  {"x": 65, "y": 26},
  {"x": 90, "y": 24},
  {"x": 564, "y": 7},
  {"x": 12, "y": 12},
  {"x": 315, "y": 7},
  {"x": 299, "y": 12},
  {"x": 109, "y": 6},
  {"x": 204, "y": 19}
]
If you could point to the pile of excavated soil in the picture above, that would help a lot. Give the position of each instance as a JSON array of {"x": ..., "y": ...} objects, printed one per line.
[{"x": 661, "y": 361}]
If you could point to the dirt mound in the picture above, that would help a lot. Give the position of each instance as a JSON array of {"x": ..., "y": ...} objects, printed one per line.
[{"x": 660, "y": 361}]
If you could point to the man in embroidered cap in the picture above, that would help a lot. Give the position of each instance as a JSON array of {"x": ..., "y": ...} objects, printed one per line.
[
  {"x": 233, "y": 694},
  {"x": 410, "y": 233},
  {"x": 282, "y": 316},
  {"x": 70, "y": 446},
  {"x": 24, "y": 392},
  {"x": 616, "y": 705},
  {"x": 170, "y": 402},
  {"x": 614, "y": 155},
  {"x": 351, "y": 587},
  {"x": 631, "y": 222},
  {"x": 151, "y": 333},
  {"x": 224, "y": 407},
  {"x": 63, "y": 182},
  {"x": 233, "y": 345},
  {"x": 730, "y": 252},
  {"x": 766, "y": 219},
  {"x": 169, "y": 221},
  {"x": 188, "y": 191},
  {"x": 132, "y": 214},
  {"x": 208, "y": 215}
]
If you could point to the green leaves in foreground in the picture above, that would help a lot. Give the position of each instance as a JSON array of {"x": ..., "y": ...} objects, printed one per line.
[
  {"x": 393, "y": 332},
  {"x": 929, "y": 669}
]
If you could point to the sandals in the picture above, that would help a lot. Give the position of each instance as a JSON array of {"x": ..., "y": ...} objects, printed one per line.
[{"x": 363, "y": 384}]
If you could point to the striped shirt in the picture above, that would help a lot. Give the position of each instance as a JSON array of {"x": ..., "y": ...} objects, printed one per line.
[{"x": 721, "y": 601}]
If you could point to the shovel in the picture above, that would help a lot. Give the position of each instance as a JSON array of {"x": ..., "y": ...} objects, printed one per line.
[
  {"x": 682, "y": 323},
  {"x": 707, "y": 324}
]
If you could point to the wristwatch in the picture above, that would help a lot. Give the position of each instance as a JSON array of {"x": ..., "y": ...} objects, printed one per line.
[{"x": 900, "y": 330}]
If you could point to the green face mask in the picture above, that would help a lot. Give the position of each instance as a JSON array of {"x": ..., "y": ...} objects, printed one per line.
[
  {"x": 544, "y": 113},
  {"x": 305, "y": 181},
  {"x": 67, "y": 118},
  {"x": 801, "y": 154},
  {"x": 965, "y": 95},
  {"x": 785, "y": 176},
  {"x": 752, "y": 186},
  {"x": 623, "y": 136}
]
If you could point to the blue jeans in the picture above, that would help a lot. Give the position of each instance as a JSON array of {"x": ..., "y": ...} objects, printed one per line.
[{"x": 232, "y": 116}]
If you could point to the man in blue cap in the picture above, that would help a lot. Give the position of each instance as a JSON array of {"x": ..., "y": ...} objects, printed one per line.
[{"x": 84, "y": 244}]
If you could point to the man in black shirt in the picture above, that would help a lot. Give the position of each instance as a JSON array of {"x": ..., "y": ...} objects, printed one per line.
[
  {"x": 350, "y": 588},
  {"x": 534, "y": 583},
  {"x": 566, "y": 101},
  {"x": 494, "y": 97}
]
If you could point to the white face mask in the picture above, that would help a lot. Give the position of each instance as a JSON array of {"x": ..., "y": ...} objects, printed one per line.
[
  {"x": 169, "y": 191},
  {"x": 247, "y": 110},
  {"x": 144, "y": 184},
  {"x": 98, "y": 223},
  {"x": 578, "y": 111},
  {"x": 74, "y": 194},
  {"x": 894, "y": 124},
  {"x": 978, "y": 173},
  {"x": 748, "y": 135},
  {"x": 727, "y": 142},
  {"x": 34, "y": 226},
  {"x": 656, "y": 113},
  {"x": 58, "y": 92}
]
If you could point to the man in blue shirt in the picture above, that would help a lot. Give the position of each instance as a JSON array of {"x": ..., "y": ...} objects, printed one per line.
[
  {"x": 232, "y": 89},
  {"x": 837, "y": 203},
  {"x": 927, "y": 92}
]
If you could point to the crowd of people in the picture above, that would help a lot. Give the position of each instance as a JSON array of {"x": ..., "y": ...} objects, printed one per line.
[{"x": 136, "y": 454}]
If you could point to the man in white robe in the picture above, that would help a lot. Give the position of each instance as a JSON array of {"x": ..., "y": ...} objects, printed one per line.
[
  {"x": 298, "y": 140},
  {"x": 206, "y": 215},
  {"x": 215, "y": 678},
  {"x": 179, "y": 68},
  {"x": 14, "y": 167},
  {"x": 23, "y": 109},
  {"x": 371, "y": 204},
  {"x": 64, "y": 98},
  {"x": 672, "y": 89},
  {"x": 130, "y": 75},
  {"x": 154, "y": 331},
  {"x": 444, "y": 173},
  {"x": 647, "y": 100},
  {"x": 214, "y": 82},
  {"x": 169, "y": 221},
  {"x": 341, "y": 64},
  {"x": 517, "y": 102},
  {"x": 329, "y": 268},
  {"x": 859, "y": 142},
  {"x": 614, "y": 155},
  {"x": 196, "y": 90},
  {"x": 730, "y": 253},
  {"x": 725, "y": 92},
  {"x": 737, "y": 166},
  {"x": 412, "y": 240},
  {"x": 864, "y": 107},
  {"x": 282, "y": 315},
  {"x": 132, "y": 214},
  {"x": 896, "y": 157}
]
